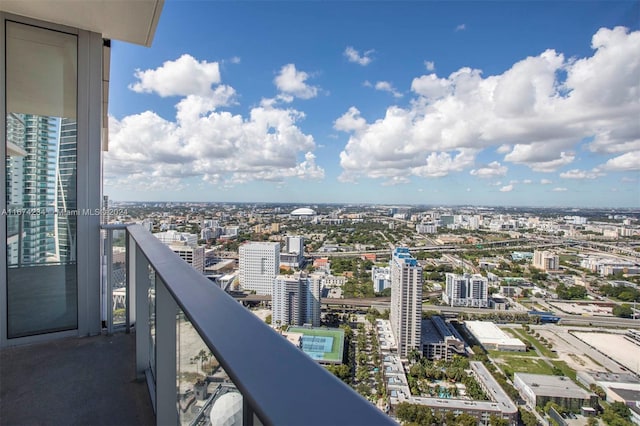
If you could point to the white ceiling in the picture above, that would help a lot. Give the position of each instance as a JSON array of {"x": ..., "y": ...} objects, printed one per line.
[{"x": 132, "y": 21}]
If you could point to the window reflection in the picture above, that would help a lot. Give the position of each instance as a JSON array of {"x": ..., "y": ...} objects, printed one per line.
[{"x": 41, "y": 177}]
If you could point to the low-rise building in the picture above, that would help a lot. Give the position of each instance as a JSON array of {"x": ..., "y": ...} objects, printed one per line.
[
  {"x": 491, "y": 337},
  {"x": 538, "y": 389},
  {"x": 381, "y": 278},
  {"x": 440, "y": 340}
]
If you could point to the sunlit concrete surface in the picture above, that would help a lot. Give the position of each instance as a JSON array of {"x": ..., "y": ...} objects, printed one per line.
[{"x": 88, "y": 381}]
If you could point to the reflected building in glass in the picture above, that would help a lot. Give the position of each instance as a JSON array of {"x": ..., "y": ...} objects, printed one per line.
[{"x": 30, "y": 187}]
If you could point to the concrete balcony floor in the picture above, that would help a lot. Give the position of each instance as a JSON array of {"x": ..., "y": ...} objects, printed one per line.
[{"x": 73, "y": 381}]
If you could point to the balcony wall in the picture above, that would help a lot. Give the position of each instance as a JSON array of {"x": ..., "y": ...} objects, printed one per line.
[{"x": 195, "y": 344}]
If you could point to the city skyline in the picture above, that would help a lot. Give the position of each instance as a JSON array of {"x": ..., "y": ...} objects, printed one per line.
[{"x": 504, "y": 104}]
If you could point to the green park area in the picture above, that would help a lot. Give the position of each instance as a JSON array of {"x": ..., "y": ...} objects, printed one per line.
[
  {"x": 521, "y": 334},
  {"x": 512, "y": 364}
]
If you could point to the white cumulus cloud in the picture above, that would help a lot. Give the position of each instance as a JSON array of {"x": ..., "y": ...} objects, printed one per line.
[
  {"x": 507, "y": 188},
  {"x": 292, "y": 82},
  {"x": 624, "y": 162},
  {"x": 492, "y": 170},
  {"x": 182, "y": 77},
  {"x": 537, "y": 114},
  {"x": 354, "y": 56},
  {"x": 581, "y": 174},
  {"x": 385, "y": 86},
  {"x": 559, "y": 189},
  {"x": 204, "y": 142}
]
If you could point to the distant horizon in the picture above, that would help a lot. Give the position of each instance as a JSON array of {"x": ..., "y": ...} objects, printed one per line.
[
  {"x": 445, "y": 103},
  {"x": 435, "y": 206}
]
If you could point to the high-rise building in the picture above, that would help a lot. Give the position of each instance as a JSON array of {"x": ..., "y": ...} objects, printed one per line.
[
  {"x": 293, "y": 254},
  {"x": 466, "y": 290},
  {"x": 546, "y": 260},
  {"x": 296, "y": 300},
  {"x": 259, "y": 265},
  {"x": 295, "y": 244},
  {"x": 31, "y": 186},
  {"x": 66, "y": 193},
  {"x": 406, "y": 300}
]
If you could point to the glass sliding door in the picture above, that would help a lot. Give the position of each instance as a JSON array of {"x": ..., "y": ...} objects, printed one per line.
[{"x": 41, "y": 178}]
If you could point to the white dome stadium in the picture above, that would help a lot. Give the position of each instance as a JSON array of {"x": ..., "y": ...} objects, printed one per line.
[
  {"x": 304, "y": 211},
  {"x": 227, "y": 410}
]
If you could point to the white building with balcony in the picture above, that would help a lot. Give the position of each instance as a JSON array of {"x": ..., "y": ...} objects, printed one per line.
[
  {"x": 466, "y": 290},
  {"x": 295, "y": 300}
]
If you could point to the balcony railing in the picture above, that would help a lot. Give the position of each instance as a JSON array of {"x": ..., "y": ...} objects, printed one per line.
[{"x": 205, "y": 356}]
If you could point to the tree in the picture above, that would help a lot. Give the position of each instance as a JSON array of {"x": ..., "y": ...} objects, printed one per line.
[
  {"x": 465, "y": 419},
  {"x": 414, "y": 413},
  {"x": 497, "y": 421},
  {"x": 621, "y": 410},
  {"x": 342, "y": 371},
  {"x": 527, "y": 417},
  {"x": 623, "y": 311}
]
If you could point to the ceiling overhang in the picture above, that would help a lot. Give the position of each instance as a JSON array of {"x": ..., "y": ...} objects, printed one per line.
[{"x": 125, "y": 20}]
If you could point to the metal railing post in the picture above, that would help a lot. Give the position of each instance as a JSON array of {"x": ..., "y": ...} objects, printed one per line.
[
  {"x": 139, "y": 273},
  {"x": 166, "y": 396},
  {"x": 109, "y": 291},
  {"x": 127, "y": 286}
]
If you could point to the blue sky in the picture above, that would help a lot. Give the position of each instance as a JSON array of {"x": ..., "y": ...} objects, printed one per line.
[{"x": 486, "y": 103}]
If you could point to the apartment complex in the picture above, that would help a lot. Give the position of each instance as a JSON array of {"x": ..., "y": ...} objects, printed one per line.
[
  {"x": 406, "y": 300},
  {"x": 440, "y": 340},
  {"x": 259, "y": 265},
  {"x": 296, "y": 300},
  {"x": 546, "y": 260},
  {"x": 466, "y": 290}
]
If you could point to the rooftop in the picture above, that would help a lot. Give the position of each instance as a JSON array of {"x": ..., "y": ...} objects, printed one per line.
[{"x": 555, "y": 386}]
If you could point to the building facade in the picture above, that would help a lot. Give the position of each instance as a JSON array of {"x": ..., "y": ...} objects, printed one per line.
[
  {"x": 381, "y": 278},
  {"x": 295, "y": 300},
  {"x": 440, "y": 340},
  {"x": 184, "y": 245},
  {"x": 466, "y": 290},
  {"x": 406, "y": 300},
  {"x": 259, "y": 266},
  {"x": 546, "y": 260},
  {"x": 538, "y": 389}
]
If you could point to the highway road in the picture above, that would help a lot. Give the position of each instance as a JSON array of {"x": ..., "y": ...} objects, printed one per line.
[{"x": 384, "y": 303}]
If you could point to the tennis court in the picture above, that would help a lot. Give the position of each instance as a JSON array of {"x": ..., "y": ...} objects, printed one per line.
[{"x": 322, "y": 344}]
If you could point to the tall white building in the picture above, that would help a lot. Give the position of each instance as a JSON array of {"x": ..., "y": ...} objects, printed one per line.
[
  {"x": 296, "y": 300},
  {"x": 466, "y": 290},
  {"x": 295, "y": 244},
  {"x": 259, "y": 265},
  {"x": 406, "y": 301},
  {"x": 293, "y": 254}
]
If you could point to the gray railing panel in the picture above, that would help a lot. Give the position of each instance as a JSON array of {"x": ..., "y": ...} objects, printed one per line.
[{"x": 283, "y": 385}]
